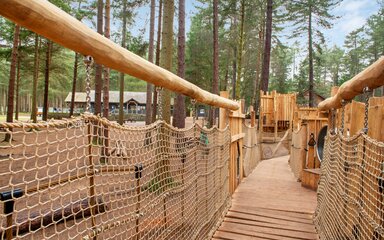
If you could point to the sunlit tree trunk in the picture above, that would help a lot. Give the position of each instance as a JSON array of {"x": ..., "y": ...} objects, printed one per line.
[
  {"x": 75, "y": 67},
  {"x": 158, "y": 44},
  {"x": 123, "y": 44},
  {"x": 215, "y": 80},
  {"x": 166, "y": 55},
  {"x": 179, "y": 108},
  {"x": 310, "y": 57},
  {"x": 107, "y": 34},
  {"x": 99, "y": 68},
  {"x": 240, "y": 50},
  {"x": 12, "y": 74},
  {"x": 148, "y": 106},
  {"x": 35, "y": 79},
  {"x": 18, "y": 84},
  {"x": 267, "y": 48},
  {"x": 46, "y": 79}
]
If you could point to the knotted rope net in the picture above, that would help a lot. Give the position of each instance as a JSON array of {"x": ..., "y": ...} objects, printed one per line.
[
  {"x": 350, "y": 192},
  {"x": 88, "y": 178}
]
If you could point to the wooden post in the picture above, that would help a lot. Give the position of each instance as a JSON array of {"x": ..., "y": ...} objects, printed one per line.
[
  {"x": 223, "y": 116},
  {"x": 253, "y": 116}
]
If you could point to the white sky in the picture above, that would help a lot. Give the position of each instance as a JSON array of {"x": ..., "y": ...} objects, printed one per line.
[{"x": 353, "y": 14}]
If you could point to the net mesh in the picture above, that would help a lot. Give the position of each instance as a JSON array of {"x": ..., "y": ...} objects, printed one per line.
[
  {"x": 88, "y": 178},
  {"x": 350, "y": 193}
]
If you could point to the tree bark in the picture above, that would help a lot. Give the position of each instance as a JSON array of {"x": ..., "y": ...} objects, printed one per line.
[
  {"x": 215, "y": 80},
  {"x": 35, "y": 79},
  {"x": 75, "y": 67},
  {"x": 310, "y": 58},
  {"x": 240, "y": 49},
  {"x": 46, "y": 79},
  {"x": 179, "y": 107},
  {"x": 18, "y": 86},
  {"x": 166, "y": 55},
  {"x": 123, "y": 44},
  {"x": 158, "y": 47},
  {"x": 99, "y": 68},
  {"x": 267, "y": 47},
  {"x": 107, "y": 34},
  {"x": 148, "y": 106},
  {"x": 12, "y": 74}
]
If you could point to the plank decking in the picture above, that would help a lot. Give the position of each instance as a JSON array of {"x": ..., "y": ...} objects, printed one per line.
[{"x": 270, "y": 204}]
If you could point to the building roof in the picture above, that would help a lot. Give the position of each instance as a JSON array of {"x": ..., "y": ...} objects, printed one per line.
[{"x": 114, "y": 97}]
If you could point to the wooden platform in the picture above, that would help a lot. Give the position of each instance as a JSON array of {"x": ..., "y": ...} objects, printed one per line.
[{"x": 270, "y": 204}]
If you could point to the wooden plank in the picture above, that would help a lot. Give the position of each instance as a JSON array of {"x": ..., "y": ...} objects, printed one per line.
[
  {"x": 51, "y": 22},
  {"x": 270, "y": 204},
  {"x": 270, "y": 231}
]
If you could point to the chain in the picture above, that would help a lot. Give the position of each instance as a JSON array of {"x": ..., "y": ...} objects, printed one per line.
[
  {"x": 88, "y": 61},
  {"x": 159, "y": 91},
  {"x": 366, "y": 102},
  {"x": 343, "y": 104},
  {"x": 332, "y": 127},
  {"x": 193, "y": 102}
]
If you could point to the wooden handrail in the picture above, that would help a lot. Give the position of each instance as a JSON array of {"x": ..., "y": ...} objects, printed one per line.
[
  {"x": 372, "y": 77},
  {"x": 51, "y": 22}
]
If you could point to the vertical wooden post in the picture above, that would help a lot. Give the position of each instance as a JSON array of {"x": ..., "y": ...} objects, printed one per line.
[
  {"x": 253, "y": 116},
  {"x": 261, "y": 118},
  {"x": 223, "y": 112},
  {"x": 275, "y": 114}
]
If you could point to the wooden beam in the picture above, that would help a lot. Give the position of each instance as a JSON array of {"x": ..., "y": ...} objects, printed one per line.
[
  {"x": 372, "y": 77},
  {"x": 51, "y": 22}
]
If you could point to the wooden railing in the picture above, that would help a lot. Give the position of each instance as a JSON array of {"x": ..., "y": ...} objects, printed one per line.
[{"x": 372, "y": 77}]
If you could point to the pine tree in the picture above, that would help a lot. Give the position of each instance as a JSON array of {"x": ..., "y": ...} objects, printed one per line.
[
  {"x": 148, "y": 107},
  {"x": 308, "y": 17}
]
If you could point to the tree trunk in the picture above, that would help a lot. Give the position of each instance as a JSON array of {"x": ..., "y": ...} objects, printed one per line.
[
  {"x": 240, "y": 49},
  {"x": 310, "y": 58},
  {"x": 99, "y": 68},
  {"x": 158, "y": 44},
  {"x": 148, "y": 106},
  {"x": 234, "y": 61},
  {"x": 12, "y": 74},
  {"x": 46, "y": 77},
  {"x": 18, "y": 86},
  {"x": 35, "y": 79},
  {"x": 267, "y": 47},
  {"x": 75, "y": 67},
  {"x": 166, "y": 55},
  {"x": 258, "y": 69},
  {"x": 179, "y": 107},
  {"x": 215, "y": 80},
  {"x": 123, "y": 44},
  {"x": 107, "y": 34}
]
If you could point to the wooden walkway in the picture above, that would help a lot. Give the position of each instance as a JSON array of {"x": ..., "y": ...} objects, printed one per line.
[{"x": 270, "y": 204}]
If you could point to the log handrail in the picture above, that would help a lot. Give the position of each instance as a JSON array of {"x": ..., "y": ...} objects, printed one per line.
[
  {"x": 51, "y": 22},
  {"x": 371, "y": 77}
]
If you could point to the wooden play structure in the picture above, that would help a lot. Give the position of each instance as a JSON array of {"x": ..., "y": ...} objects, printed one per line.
[{"x": 276, "y": 112}]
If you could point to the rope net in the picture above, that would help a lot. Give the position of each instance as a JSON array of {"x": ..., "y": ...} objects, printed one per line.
[
  {"x": 350, "y": 193},
  {"x": 88, "y": 178}
]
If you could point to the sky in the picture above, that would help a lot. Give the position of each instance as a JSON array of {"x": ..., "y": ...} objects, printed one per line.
[{"x": 352, "y": 13}]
